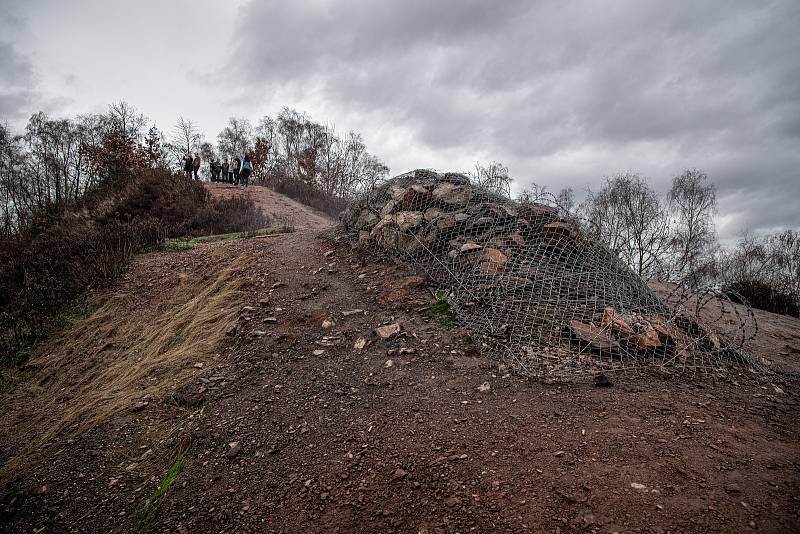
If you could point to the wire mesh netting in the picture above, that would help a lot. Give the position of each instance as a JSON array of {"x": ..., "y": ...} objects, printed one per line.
[{"x": 536, "y": 291}]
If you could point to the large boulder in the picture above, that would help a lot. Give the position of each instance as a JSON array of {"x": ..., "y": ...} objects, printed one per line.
[{"x": 453, "y": 195}]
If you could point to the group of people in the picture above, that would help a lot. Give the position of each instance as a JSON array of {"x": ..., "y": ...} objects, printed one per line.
[{"x": 237, "y": 172}]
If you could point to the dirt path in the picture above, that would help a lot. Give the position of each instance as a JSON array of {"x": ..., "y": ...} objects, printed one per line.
[
  {"x": 277, "y": 206},
  {"x": 292, "y": 429}
]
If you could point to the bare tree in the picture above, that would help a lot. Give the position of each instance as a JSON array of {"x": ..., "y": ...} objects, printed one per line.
[
  {"x": 493, "y": 177},
  {"x": 236, "y": 138},
  {"x": 784, "y": 252},
  {"x": 186, "y": 138},
  {"x": 693, "y": 204},
  {"x": 124, "y": 119},
  {"x": 534, "y": 193},
  {"x": 628, "y": 216},
  {"x": 765, "y": 270},
  {"x": 566, "y": 198}
]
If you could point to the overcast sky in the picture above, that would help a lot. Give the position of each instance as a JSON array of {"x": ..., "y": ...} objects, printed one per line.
[{"x": 561, "y": 92}]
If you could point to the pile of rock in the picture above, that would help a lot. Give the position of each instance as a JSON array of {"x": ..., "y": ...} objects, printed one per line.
[
  {"x": 524, "y": 277},
  {"x": 424, "y": 213}
]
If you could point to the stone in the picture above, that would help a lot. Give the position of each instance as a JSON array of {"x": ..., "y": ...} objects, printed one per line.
[
  {"x": 388, "y": 208},
  {"x": 432, "y": 213},
  {"x": 360, "y": 343},
  {"x": 446, "y": 221},
  {"x": 318, "y": 352},
  {"x": 233, "y": 449},
  {"x": 399, "y": 473},
  {"x": 263, "y": 302},
  {"x": 469, "y": 247},
  {"x": 590, "y": 334},
  {"x": 232, "y": 328},
  {"x": 493, "y": 261},
  {"x": 328, "y": 324},
  {"x": 602, "y": 381},
  {"x": 558, "y": 454},
  {"x": 397, "y": 193},
  {"x": 648, "y": 339},
  {"x": 407, "y": 220},
  {"x": 713, "y": 338},
  {"x": 637, "y": 486},
  {"x": 388, "y": 363},
  {"x": 366, "y": 219},
  {"x": 138, "y": 406},
  {"x": 388, "y": 330},
  {"x": 454, "y": 195},
  {"x": 537, "y": 212},
  {"x": 562, "y": 229},
  {"x": 420, "y": 189},
  {"x": 483, "y": 388},
  {"x": 733, "y": 488}
]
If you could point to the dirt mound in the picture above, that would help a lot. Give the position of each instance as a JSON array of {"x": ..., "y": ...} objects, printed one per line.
[
  {"x": 536, "y": 289},
  {"x": 279, "y": 208}
]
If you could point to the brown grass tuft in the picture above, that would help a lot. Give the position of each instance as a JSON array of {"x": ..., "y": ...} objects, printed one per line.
[{"x": 121, "y": 353}]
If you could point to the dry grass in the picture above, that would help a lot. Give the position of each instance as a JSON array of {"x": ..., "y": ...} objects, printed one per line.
[{"x": 121, "y": 353}]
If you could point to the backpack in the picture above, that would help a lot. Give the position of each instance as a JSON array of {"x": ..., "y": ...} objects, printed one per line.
[{"x": 247, "y": 165}]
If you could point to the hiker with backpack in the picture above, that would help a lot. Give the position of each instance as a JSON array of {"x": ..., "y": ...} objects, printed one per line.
[
  {"x": 245, "y": 170},
  {"x": 196, "y": 166}
]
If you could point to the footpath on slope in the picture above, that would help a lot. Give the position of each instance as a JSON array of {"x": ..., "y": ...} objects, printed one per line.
[
  {"x": 305, "y": 419},
  {"x": 276, "y": 205}
]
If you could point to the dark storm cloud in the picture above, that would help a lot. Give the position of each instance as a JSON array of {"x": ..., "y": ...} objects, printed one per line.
[{"x": 562, "y": 92}]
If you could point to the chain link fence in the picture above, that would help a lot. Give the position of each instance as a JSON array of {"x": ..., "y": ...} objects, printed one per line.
[{"x": 537, "y": 292}]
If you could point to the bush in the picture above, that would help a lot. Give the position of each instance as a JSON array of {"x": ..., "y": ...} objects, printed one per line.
[
  {"x": 62, "y": 253},
  {"x": 307, "y": 194},
  {"x": 764, "y": 297},
  {"x": 223, "y": 217}
]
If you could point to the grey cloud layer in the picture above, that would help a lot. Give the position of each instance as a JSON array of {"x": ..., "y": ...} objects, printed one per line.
[
  {"x": 563, "y": 92},
  {"x": 16, "y": 83},
  {"x": 714, "y": 84}
]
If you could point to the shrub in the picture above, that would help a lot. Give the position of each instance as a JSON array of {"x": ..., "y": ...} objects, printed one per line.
[
  {"x": 763, "y": 296},
  {"x": 63, "y": 253},
  {"x": 307, "y": 194}
]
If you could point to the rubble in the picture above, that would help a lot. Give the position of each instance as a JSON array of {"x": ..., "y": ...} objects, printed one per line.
[
  {"x": 530, "y": 282},
  {"x": 387, "y": 331}
]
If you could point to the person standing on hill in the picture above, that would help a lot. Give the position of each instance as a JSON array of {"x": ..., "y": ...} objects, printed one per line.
[
  {"x": 196, "y": 167},
  {"x": 225, "y": 176},
  {"x": 237, "y": 163},
  {"x": 245, "y": 170},
  {"x": 187, "y": 165}
]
